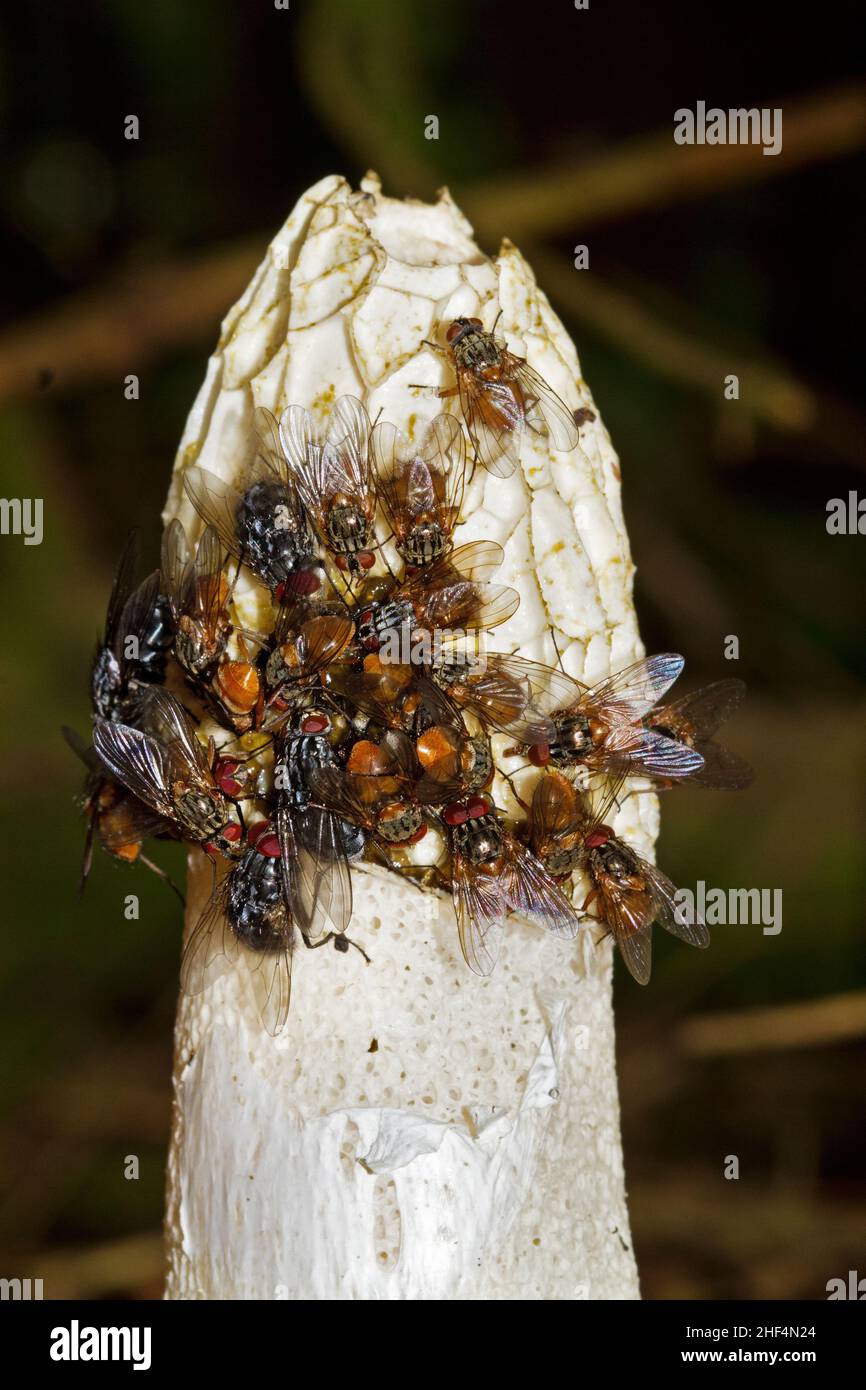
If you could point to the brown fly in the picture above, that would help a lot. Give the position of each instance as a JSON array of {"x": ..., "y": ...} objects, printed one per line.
[
  {"x": 420, "y": 487},
  {"x": 628, "y": 893},
  {"x": 501, "y": 396}
]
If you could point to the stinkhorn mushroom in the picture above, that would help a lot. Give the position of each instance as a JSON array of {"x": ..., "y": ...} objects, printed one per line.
[{"x": 415, "y": 1131}]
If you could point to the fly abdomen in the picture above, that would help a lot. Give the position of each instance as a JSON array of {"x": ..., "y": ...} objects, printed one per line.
[
  {"x": 256, "y": 908},
  {"x": 479, "y": 840},
  {"x": 272, "y": 531}
]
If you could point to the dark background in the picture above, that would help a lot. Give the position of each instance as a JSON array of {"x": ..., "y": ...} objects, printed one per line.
[{"x": 555, "y": 129}]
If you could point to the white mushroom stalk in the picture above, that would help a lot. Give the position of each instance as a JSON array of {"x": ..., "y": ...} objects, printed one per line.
[{"x": 415, "y": 1131}]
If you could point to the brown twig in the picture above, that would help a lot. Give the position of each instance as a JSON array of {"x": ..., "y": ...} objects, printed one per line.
[{"x": 814, "y": 1023}]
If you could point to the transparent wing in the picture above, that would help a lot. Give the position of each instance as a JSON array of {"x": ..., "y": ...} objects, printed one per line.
[
  {"x": 531, "y": 892},
  {"x": 681, "y": 920},
  {"x": 136, "y": 616},
  {"x": 348, "y": 444},
  {"x": 176, "y": 568},
  {"x": 270, "y": 974},
  {"x": 217, "y": 503},
  {"x": 480, "y": 911},
  {"x": 325, "y": 883},
  {"x": 210, "y": 591},
  {"x": 494, "y": 421},
  {"x": 514, "y": 695},
  {"x": 630, "y": 693},
  {"x": 544, "y": 411},
  {"x": 322, "y": 640},
  {"x": 555, "y": 808},
  {"x": 121, "y": 588},
  {"x": 303, "y": 449},
  {"x": 333, "y": 790},
  {"x": 212, "y": 946},
  {"x": 723, "y": 770},
  {"x": 165, "y": 717},
  {"x": 704, "y": 709},
  {"x": 269, "y": 446},
  {"x": 469, "y": 606},
  {"x": 138, "y": 761},
  {"x": 475, "y": 560},
  {"x": 629, "y": 916},
  {"x": 637, "y": 752}
]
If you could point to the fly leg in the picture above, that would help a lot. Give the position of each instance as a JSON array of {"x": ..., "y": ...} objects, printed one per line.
[{"x": 161, "y": 873}]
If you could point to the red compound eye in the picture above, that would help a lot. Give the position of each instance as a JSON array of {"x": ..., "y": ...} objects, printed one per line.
[
  {"x": 314, "y": 724},
  {"x": 366, "y": 559},
  {"x": 301, "y": 582},
  {"x": 453, "y": 330},
  {"x": 419, "y": 835},
  {"x": 256, "y": 830},
  {"x": 598, "y": 837},
  {"x": 477, "y": 807},
  {"x": 455, "y": 815},
  {"x": 269, "y": 845},
  {"x": 342, "y": 563},
  {"x": 231, "y": 832},
  {"x": 539, "y": 754}
]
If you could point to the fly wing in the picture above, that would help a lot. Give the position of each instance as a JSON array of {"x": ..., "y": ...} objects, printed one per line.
[
  {"x": 321, "y": 641},
  {"x": 394, "y": 475},
  {"x": 306, "y": 457},
  {"x": 470, "y": 607},
  {"x": 545, "y": 412},
  {"x": 636, "y": 752},
  {"x": 212, "y": 945},
  {"x": 494, "y": 422},
  {"x": 268, "y": 446},
  {"x": 706, "y": 709},
  {"x": 165, "y": 717},
  {"x": 555, "y": 808},
  {"x": 631, "y": 693},
  {"x": 531, "y": 892},
  {"x": 121, "y": 588},
  {"x": 210, "y": 595},
  {"x": 270, "y": 974},
  {"x": 217, "y": 503},
  {"x": 348, "y": 445},
  {"x": 325, "y": 884},
  {"x": 679, "y": 918},
  {"x": 723, "y": 769},
  {"x": 176, "y": 567},
  {"x": 136, "y": 617},
  {"x": 629, "y": 916},
  {"x": 480, "y": 908},
  {"x": 515, "y": 696},
  {"x": 138, "y": 761}
]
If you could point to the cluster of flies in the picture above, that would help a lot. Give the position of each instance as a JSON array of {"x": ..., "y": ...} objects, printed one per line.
[{"x": 289, "y": 754}]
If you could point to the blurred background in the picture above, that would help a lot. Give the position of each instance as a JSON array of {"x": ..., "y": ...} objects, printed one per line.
[{"x": 555, "y": 128}]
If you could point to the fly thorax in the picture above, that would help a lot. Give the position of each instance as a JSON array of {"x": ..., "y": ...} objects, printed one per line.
[
  {"x": 562, "y": 860},
  {"x": 572, "y": 740},
  {"x": 379, "y": 619},
  {"x": 348, "y": 528},
  {"x": 616, "y": 861},
  {"x": 425, "y": 543},
  {"x": 200, "y": 814},
  {"x": 476, "y": 350},
  {"x": 479, "y": 840},
  {"x": 273, "y": 534}
]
